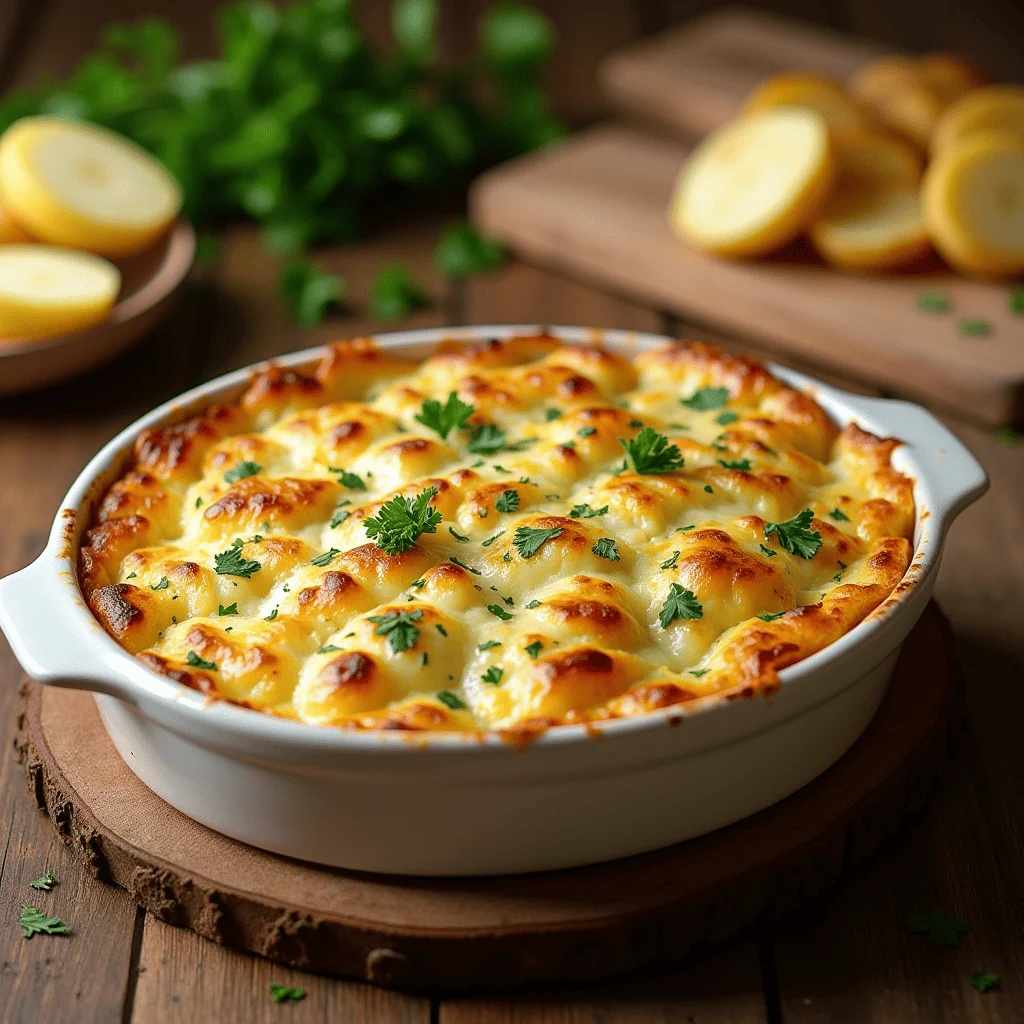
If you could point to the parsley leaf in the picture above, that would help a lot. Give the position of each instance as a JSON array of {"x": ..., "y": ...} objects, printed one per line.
[
  {"x": 241, "y": 471},
  {"x": 508, "y": 501},
  {"x": 528, "y": 539},
  {"x": 400, "y": 522},
  {"x": 532, "y": 604},
  {"x": 440, "y": 628},
  {"x": 584, "y": 511},
  {"x": 308, "y": 291},
  {"x": 670, "y": 563},
  {"x": 650, "y": 452},
  {"x": 451, "y": 700},
  {"x": 706, "y": 399},
  {"x": 975, "y": 327},
  {"x": 486, "y": 439},
  {"x": 771, "y": 616},
  {"x": 488, "y": 644},
  {"x": 552, "y": 414},
  {"x": 285, "y": 993},
  {"x": 458, "y": 536},
  {"x": 698, "y": 672},
  {"x": 795, "y": 536},
  {"x": 839, "y": 515},
  {"x": 984, "y": 982},
  {"x": 680, "y": 604},
  {"x": 493, "y": 675},
  {"x": 933, "y": 302},
  {"x": 34, "y": 922},
  {"x": 463, "y": 565},
  {"x": 395, "y": 293},
  {"x": 767, "y": 551},
  {"x": 231, "y": 562},
  {"x": 586, "y": 431},
  {"x": 352, "y": 481},
  {"x": 444, "y": 418},
  {"x": 326, "y": 558},
  {"x": 328, "y": 649},
  {"x": 723, "y": 419},
  {"x": 231, "y": 609},
  {"x": 942, "y": 929},
  {"x": 490, "y": 540},
  {"x": 162, "y": 585},
  {"x": 605, "y": 548},
  {"x": 340, "y": 515},
  {"x": 524, "y": 443},
  {"x": 46, "y": 883},
  {"x": 399, "y": 627},
  {"x": 271, "y": 616},
  {"x": 462, "y": 252},
  {"x": 496, "y": 609},
  {"x": 1015, "y": 302},
  {"x": 194, "y": 661},
  {"x": 743, "y": 464}
]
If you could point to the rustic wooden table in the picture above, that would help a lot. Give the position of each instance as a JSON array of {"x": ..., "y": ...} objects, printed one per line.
[{"x": 849, "y": 957}]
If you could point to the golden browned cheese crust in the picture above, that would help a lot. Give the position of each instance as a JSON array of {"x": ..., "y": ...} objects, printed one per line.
[{"x": 233, "y": 557}]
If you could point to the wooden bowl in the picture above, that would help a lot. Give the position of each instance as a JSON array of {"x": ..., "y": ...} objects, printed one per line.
[{"x": 149, "y": 284}]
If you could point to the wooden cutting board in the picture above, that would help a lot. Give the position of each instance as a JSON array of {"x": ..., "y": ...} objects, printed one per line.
[{"x": 595, "y": 208}]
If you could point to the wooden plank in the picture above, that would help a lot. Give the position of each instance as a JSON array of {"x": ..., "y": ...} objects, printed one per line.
[
  {"x": 696, "y": 76},
  {"x": 595, "y": 208},
  {"x": 183, "y": 977}
]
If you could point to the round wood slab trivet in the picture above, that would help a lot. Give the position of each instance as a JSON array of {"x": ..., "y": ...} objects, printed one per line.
[{"x": 453, "y": 934}]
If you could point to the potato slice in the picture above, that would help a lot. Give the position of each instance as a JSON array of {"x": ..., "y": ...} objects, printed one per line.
[
  {"x": 994, "y": 108},
  {"x": 873, "y": 220},
  {"x": 755, "y": 184},
  {"x": 949, "y": 75},
  {"x": 81, "y": 186},
  {"x": 11, "y": 231},
  {"x": 900, "y": 96},
  {"x": 806, "y": 89},
  {"x": 974, "y": 204},
  {"x": 46, "y": 291}
]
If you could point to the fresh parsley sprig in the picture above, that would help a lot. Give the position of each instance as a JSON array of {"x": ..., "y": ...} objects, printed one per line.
[
  {"x": 795, "y": 534},
  {"x": 649, "y": 452},
  {"x": 399, "y": 627},
  {"x": 34, "y": 922},
  {"x": 244, "y": 469},
  {"x": 46, "y": 883},
  {"x": 529, "y": 539},
  {"x": 231, "y": 562},
  {"x": 706, "y": 399},
  {"x": 679, "y": 604},
  {"x": 443, "y": 419},
  {"x": 400, "y": 522}
]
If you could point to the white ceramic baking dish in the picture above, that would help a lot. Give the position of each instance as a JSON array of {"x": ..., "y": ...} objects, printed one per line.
[{"x": 452, "y": 804}]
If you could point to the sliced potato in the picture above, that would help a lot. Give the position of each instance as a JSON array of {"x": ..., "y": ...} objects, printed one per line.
[
  {"x": 81, "y": 186},
  {"x": 756, "y": 183},
  {"x": 841, "y": 112},
  {"x": 46, "y": 291},
  {"x": 949, "y": 75},
  {"x": 878, "y": 78},
  {"x": 974, "y": 203},
  {"x": 901, "y": 96},
  {"x": 10, "y": 230},
  {"x": 994, "y": 108}
]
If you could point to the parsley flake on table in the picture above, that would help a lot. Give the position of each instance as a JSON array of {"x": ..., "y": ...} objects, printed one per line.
[
  {"x": 508, "y": 501},
  {"x": 529, "y": 539},
  {"x": 984, "y": 982},
  {"x": 1015, "y": 302},
  {"x": 231, "y": 562},
  {"x": 463, "y": 565},
  {"x": 605, "y": 548},
  {"x": 839, "y": 515},
  {"x": 934, "y": 302},
  {"x": 795, "y": 536},
  {"x": 286, "y": 993},
  {"x": 460, "y": 537},
  {"x": 649, "y": 452},
  {"x": 352, "y": 481},
  {"x": 444, "y": 418},
  {"x": 34, "y": 922},
  {"x": 229, "y": 609},
  {"x": 399, "y": 627},
  {"x": 395, "y": 293},
  {"x": 723, "y": 419},
  {"x": 771, "y": 616},
  {"x": 194, "y": 661},
  {"x": 942, "y": 929},
  {"x": 670, "y": 563},
  {"x": 584, "y": 511},
  {"x": 162, "y": 585},
  {"x": 451, "y": 700},
  {"x": 241, "y": 471},
  {"x": 486, "y": 439},
  {"x": 325, "y": 559},
  {"x": 46, "y": 883},
  {"x": 496, "y": 609},
  {"x": 400, "y": 522},
  {"x": 743, "y": 464},
  {"x": 534, "y": 649},
  {"x": 493, "y": 675},
  {"x": 706, "y": 399},
  {"x": 680, "y": 604},
  {"x": 975, "y": 327}
]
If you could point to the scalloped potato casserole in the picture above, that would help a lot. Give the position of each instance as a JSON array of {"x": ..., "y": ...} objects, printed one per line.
[{"x": 508, "y": 535}]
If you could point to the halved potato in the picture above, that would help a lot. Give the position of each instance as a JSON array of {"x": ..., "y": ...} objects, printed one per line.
[
  {"x": 755, "y": 184},
  {"x": 974, "y": 203},
  {"x": 46, "y": 291},
  {"x": 81, "y": 186},
  {"x": 10, "y": 230},
  {"x": 994, "y": 108},
  {"x": 841, "y": 112}
]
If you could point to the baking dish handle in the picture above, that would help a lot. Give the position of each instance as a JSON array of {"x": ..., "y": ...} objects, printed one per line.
[
  {"x": 34, "y": 607},
  {"x": 952, "y": 476}
]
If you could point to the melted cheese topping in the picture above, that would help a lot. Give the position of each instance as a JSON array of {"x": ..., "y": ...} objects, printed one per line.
[{"x": 493, "y": 639}]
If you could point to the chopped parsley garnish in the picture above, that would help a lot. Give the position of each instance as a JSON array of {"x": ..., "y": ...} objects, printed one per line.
[
  {"x": 933, "y": 302},
  {"x": 490, "y": 540},
  {"x": 131, "y": 576},
  {"x": 568, "y": 444},
  {"x": 605, "y": 548},
  {"x": 706, "y": 399},
  {"x": 488, "y": 644},
  {"x": 451, "y": 700},
  {"x": 795, "y": 536},
  {"x": 975, "y": 327},
  {"x": 743, "y": 464},
  {"x": 1004, "y": 435},
  {"x": 444, "y": 418},
  {"x": 522, "y": 445},
  {"x": 194, "y": 661},
  {"x": 34, "y": 922},
  {"x": 532, "y": 605},
  {"x": 586, "y": 431},
  {"x": 680, "y": 604},
  {"x": 534, "y": 649},
  {"x": 400, "y": 522},
  {"x": 528, "y": 539},
  {"x": 508, "y": 501},
  {"x": 493, "y": 675},
  {"x": 723, "y": 419},
  {"x": 285, "y": 993},
  {"x": 199, "y": 502},
  {"x": 552, "y": 414},
  {"x": 352, "y": 481},
  {"x": 708, "y": 489},
  {"x": 942, "y": 929},
  {"x": 399, "y": 627},
  {"x": 440, "y": 629},
  {"x": 231, "y": 562},
  {"x": 984, "y": 982},
  {"x": 340, "y": 515},
  {"x": 424, "y": 660},
  {"x": 271, "y": 616},
  {"x": 231, "y": 609},
  {"x": 687, "y": 529},
  {"x": 326, "y": 558},
  {"x": 162, "y": 585},
  {"x": 771, "y": 616},
  {"x": 670, "y": 563},
  {"x": 241, "y": 471},
  {"x": 649, "y": 452},
  {"x": 486, "y": 439},
  {"x": 463, "y": 565},
  {"x": 767, "y": 551},
  {"x": 584, "y": 511},
  {"x": 461, "y": 537},
  {"x": 839, "y": 515},
  {"x": 698, "y": 672},
  {"x": 46, "y": 883},
  {"x": 496, "y": 609},
  {"x": 328, "y": 649}
]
